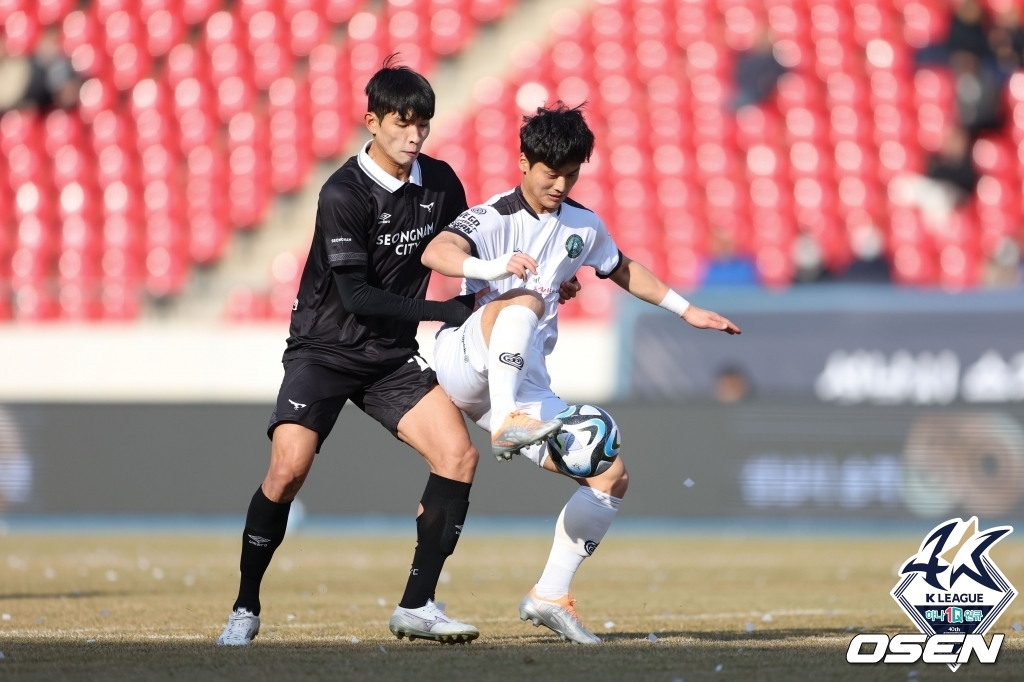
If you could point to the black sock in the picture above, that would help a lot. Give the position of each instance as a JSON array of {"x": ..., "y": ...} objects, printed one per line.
[
  {"x": 445, "y": 503},
  {"x": 264, "y": 530}
]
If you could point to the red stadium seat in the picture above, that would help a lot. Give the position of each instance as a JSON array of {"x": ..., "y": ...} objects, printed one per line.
[
  {"x": 223, "y": 28},
  {"x": 208, "y": 237},
  {"x": 164, "y": 30},
  {"x": 25, "y": 164},
  {"x": 120, "y": 28},
  {"x": 22, "y": 31},
  {"x": 34, "y": 302},
  {"x": 340, "y": 11},
  {"x": 19, "y": 127},
  {"x": 926, "y": 22},
  {"x": 78, "y": 30},
  {"x": 119, "y": 300},
  {"x": 183, "y": 62},
  {"x": 70, "y": 164},
  {"x": 486, "y": 11},
  {"x": 307, "y": 31},
  {"x": 52, "y": 11},
  {"x": 245, "y": 305}
]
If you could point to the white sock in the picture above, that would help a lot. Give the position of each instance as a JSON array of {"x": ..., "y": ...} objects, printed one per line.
[
  {"x": 582, "y": 524},
  {"x": 508, "y": 357}
]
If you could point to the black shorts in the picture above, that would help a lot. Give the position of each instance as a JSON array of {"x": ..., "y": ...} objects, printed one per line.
[{"x": 312, "y": 394}]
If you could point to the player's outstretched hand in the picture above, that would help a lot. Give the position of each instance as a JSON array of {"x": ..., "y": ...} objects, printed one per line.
[
  {"x": 520, "y": 264},
  {"x": 568, "y": 290},
  {"x": 707, "y": 319}
]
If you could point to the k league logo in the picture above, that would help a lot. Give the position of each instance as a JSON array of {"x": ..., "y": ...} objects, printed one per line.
[{"x": 953, "y": 592}]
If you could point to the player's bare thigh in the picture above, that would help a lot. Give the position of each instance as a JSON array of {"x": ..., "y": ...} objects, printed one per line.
[
  {"x": 523, "y": 297},
  {"x": 613, "y": 481},
  {"x": 291, "y": 455},
  {"x": 434, "y": 427}
]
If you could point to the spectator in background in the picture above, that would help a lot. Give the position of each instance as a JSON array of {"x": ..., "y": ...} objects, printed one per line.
[
  {"x": 44, "y": 81},
  {"x": 1004, "y": 267},
  {"x": 868, "y": 266},
  {"x": 15, "y": 75},
  {"x": 1006, "y": 38},
  {"x": 732, "y": 385},
  {"x": 967, "y": 31},
  {"x": 947, "y": 183},
  {"x": 970, "y": 52},
  {"x": 808, "y": 260},
  {"x": 725, "y": 267},
  {"x": 977, "y": 91},
  {"x": 756, "y": 71}
]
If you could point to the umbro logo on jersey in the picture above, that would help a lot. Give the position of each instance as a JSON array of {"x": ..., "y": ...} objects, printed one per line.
[
  {"x": 297, "y": 406},
  {"x": 384, "y": 218},
  {"x": 512, "y": 359},
  {"x": 258, "y": 541},
  {"x": 458, "y": 530},
  {"x": 429, "y": 207},
  {"x": 589, "y": 546}
]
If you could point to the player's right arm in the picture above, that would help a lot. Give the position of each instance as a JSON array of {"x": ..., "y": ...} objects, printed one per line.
[{"x": 454, "y": 253}]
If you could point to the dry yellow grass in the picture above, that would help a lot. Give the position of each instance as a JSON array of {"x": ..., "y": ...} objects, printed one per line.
[{"x": 149, "y": 608}]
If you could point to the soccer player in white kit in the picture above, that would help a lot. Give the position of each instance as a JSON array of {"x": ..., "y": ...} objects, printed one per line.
[{"x": 513, "y": 252}]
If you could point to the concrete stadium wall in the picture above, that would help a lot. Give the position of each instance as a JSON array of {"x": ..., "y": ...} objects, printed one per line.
[{"x": 763, "y": 459}]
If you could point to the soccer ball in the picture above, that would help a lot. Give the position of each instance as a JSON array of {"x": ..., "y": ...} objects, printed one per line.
[{"x": 588, "y": 442}]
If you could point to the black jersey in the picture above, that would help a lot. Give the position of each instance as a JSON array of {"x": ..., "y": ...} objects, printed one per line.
[{"x": 367, "y": 218}]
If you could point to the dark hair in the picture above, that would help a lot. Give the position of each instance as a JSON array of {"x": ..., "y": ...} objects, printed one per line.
[
  {"x": 556, "y": 136},
  {"x": 399, "y": 90}
]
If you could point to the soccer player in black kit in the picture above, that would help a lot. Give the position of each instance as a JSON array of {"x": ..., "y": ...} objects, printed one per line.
[{"x": 352, "y": 337}]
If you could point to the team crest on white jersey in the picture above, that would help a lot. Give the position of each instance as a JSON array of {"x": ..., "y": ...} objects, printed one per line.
[
  {"x": 574, "y": 245},
  {"x": 951, "y": 586}
]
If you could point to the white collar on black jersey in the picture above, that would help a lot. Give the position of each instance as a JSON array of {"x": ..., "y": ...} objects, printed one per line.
[{"x": 385, "y": 180}]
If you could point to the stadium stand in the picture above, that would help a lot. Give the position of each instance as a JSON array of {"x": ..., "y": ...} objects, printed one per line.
[{"x": 195, "y": 115}]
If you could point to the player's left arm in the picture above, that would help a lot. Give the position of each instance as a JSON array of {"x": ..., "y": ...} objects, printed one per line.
[{"x": 635, "y": 278}]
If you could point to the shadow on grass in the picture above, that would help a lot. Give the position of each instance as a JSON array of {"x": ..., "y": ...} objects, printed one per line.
[
  {"x": 70, "y": 595},
  {"x": 700, "y": 657}
]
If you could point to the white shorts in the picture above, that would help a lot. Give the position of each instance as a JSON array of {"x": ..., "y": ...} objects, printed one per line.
[{"x": 460, "y": 361}]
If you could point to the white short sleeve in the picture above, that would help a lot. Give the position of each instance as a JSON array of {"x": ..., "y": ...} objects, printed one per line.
[{"x": 605, "y": 256}]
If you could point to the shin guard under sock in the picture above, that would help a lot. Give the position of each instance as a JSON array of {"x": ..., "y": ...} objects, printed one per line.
[
  {"x": 265, "y": 525},
  {"x": 445, "y": 504}
]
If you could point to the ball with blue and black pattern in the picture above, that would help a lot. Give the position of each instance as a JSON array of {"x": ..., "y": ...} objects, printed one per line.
[{"x": 587, "y": 444}]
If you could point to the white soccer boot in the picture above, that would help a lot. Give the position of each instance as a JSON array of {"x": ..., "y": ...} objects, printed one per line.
[
  {"x": 558, "y": 616},
  {"x": 242, "y": 627},
  {"x": 430, "y": 622},
  {"x": 518, "y": 431}
]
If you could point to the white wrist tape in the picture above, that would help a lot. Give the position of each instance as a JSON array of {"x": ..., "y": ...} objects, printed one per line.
[
  {"x": 490, "y": 270},
  {"x": 674, "y": 303}
]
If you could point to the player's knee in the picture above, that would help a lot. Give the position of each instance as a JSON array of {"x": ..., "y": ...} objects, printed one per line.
[
  {"x": 620, "y": 484},
  {"x": 283, "y": 483},
  {"x": 530, "y": 300},
  {"x": 459, "y": 463}
]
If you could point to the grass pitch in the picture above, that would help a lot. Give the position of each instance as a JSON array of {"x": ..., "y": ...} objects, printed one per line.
[{"x": 149, "y": 608}]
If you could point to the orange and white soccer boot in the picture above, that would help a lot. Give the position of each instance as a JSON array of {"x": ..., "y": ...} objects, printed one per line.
[
  {"x": 558, "y": 615},
  {"x": 518, "y": 431}
]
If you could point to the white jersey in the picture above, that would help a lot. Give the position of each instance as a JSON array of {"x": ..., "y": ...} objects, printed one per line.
[{"x": 560, "y": 242}]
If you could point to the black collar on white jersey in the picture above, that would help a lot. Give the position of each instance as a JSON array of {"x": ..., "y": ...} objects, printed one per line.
[{"x": 516, "y": 201}]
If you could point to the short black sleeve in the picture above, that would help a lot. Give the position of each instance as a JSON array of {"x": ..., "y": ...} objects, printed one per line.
[
  {"x": 345, "y": 218},
  {"x": 457, "y": 204}
]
